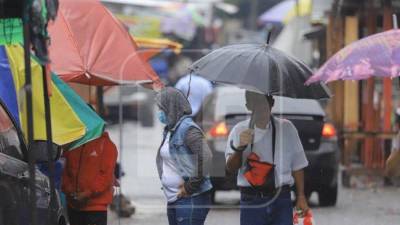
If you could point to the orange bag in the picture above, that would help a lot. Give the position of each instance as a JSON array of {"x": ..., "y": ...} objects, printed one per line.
[
  {"x": 256, "y": 171},
  {"x": 261, "y": 174}
]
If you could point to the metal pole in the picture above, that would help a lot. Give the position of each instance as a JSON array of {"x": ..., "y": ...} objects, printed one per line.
[
  {"x": 121, "y": 143},
  {"x": 49, "y": 140},
  {"x": 387, "y": 87},
  {"x": 29, "y": 112},
  {"x": 100, "y": 100}
]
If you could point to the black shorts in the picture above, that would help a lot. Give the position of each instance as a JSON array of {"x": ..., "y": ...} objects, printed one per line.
[{"x": 77, "y": 217}]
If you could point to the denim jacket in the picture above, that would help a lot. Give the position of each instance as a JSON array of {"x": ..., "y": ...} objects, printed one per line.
[{"x": 185, "y": 160}]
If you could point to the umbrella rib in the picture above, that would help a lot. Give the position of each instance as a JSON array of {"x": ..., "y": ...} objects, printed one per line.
[
  {"x": 277, "y": 65},
  {"x": 92, "y": 43},
  {"x": 300, "y": 65},
  {"x": 224, "y": 67},
  {"x": 69, "y": 31},
  {"x": 250, "y": 64},
  {"x": 295, "y": 62}
]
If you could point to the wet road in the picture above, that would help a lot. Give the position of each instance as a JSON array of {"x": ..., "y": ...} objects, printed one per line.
[{"x": 141, "y": 184}]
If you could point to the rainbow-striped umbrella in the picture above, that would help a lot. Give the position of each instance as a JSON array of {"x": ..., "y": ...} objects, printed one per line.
[{"x": 73, "y": 121}]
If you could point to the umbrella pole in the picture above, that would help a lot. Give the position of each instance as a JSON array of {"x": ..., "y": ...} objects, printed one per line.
[
  {"x": 29, "y": 113},
  {"x": 49, "y": 141},
  {"x": 121, "y": 141},
  {"x": 269, "y": 34}
]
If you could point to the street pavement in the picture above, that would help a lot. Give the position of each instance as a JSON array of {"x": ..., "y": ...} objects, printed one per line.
[{"x": 375, "y": 206}]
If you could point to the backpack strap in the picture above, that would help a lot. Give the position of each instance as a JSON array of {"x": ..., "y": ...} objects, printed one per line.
[
  {"x": 272, "y": 120},
  {"x": 273, "y": 139}
]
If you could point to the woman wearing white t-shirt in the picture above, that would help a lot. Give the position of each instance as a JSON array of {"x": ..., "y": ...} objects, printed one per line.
[{"x": 183, "y": 161}]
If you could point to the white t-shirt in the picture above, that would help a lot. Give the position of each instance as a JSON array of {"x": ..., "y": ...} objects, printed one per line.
[
  {"x": 289, "y": 152},
  {"x": 170, "y": 178}
]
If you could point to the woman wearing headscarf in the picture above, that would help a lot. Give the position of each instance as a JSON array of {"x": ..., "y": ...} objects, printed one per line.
[{"x": 183, "y": 161}]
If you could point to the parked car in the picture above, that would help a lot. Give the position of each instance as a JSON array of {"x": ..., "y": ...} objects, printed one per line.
[
  {"x": 137, "y": 102},
  {"x": 14, "y": 181},
  {"x": 225, "y": 107}
]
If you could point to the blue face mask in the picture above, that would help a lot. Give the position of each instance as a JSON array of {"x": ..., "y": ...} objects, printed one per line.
[{"x": 162, "y": 117}]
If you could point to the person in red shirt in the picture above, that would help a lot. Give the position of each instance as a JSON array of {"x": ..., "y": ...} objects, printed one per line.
[{"x": 88, "y": 180}]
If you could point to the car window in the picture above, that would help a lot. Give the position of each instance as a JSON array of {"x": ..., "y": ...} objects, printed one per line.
[
  {"x": 208, "y": 107},
  {"x": 9, "y": 139},
  {"x": 284, "y": 105}
]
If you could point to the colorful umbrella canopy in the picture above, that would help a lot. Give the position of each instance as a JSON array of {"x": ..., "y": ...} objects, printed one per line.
[
  {"x": 72, "y": 120},
  {"x": 376, "y": 55},
  {"x": 286, "y": 10},
  {"x": 90, "y": 46}
]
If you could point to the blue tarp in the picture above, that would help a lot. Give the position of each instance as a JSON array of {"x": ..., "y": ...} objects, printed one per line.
[{"x": 7, "y": 90}]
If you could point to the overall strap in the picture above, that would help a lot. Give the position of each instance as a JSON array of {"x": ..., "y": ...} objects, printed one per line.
[{"x": 273, "y": 139}]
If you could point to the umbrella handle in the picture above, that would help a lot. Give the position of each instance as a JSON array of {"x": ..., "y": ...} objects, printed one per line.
[
  {"x": 252, "y": 122},
  {"x": 251, "y": 126},
  {"x": 269, "y": 36}
]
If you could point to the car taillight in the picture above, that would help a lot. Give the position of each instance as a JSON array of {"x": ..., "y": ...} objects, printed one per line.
[
  {"x": 328, "y": 131},
  {"x": 219, "y": 130}
]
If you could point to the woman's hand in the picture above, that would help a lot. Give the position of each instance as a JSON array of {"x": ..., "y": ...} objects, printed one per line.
[
  {"x": 79, "y": 200},
  {"x": 182, "y": 192}
]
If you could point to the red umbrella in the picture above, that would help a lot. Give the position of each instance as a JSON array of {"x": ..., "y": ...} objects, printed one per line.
[{"x": 90, "y": 46}]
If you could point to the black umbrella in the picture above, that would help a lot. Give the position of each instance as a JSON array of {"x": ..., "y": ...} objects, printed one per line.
[{"x": 259, "y": 68}]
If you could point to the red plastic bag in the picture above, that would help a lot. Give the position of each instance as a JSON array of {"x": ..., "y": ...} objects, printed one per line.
[{"x": 306, "y": 220}]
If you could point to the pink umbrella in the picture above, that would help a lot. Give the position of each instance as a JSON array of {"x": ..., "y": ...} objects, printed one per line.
[
  {"x": 90, "y": 46},
  {"x": 376, "y": 55}
]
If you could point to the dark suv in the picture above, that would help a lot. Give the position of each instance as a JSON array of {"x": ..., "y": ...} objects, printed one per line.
[
  {"x": 14, "y": 181},
  {"x": 225, "y": 107}
]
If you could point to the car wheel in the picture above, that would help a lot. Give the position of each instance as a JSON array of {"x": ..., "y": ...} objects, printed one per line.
[
  {"x": 328, "y": 196},
  {"x": 62, "y": 221}
]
